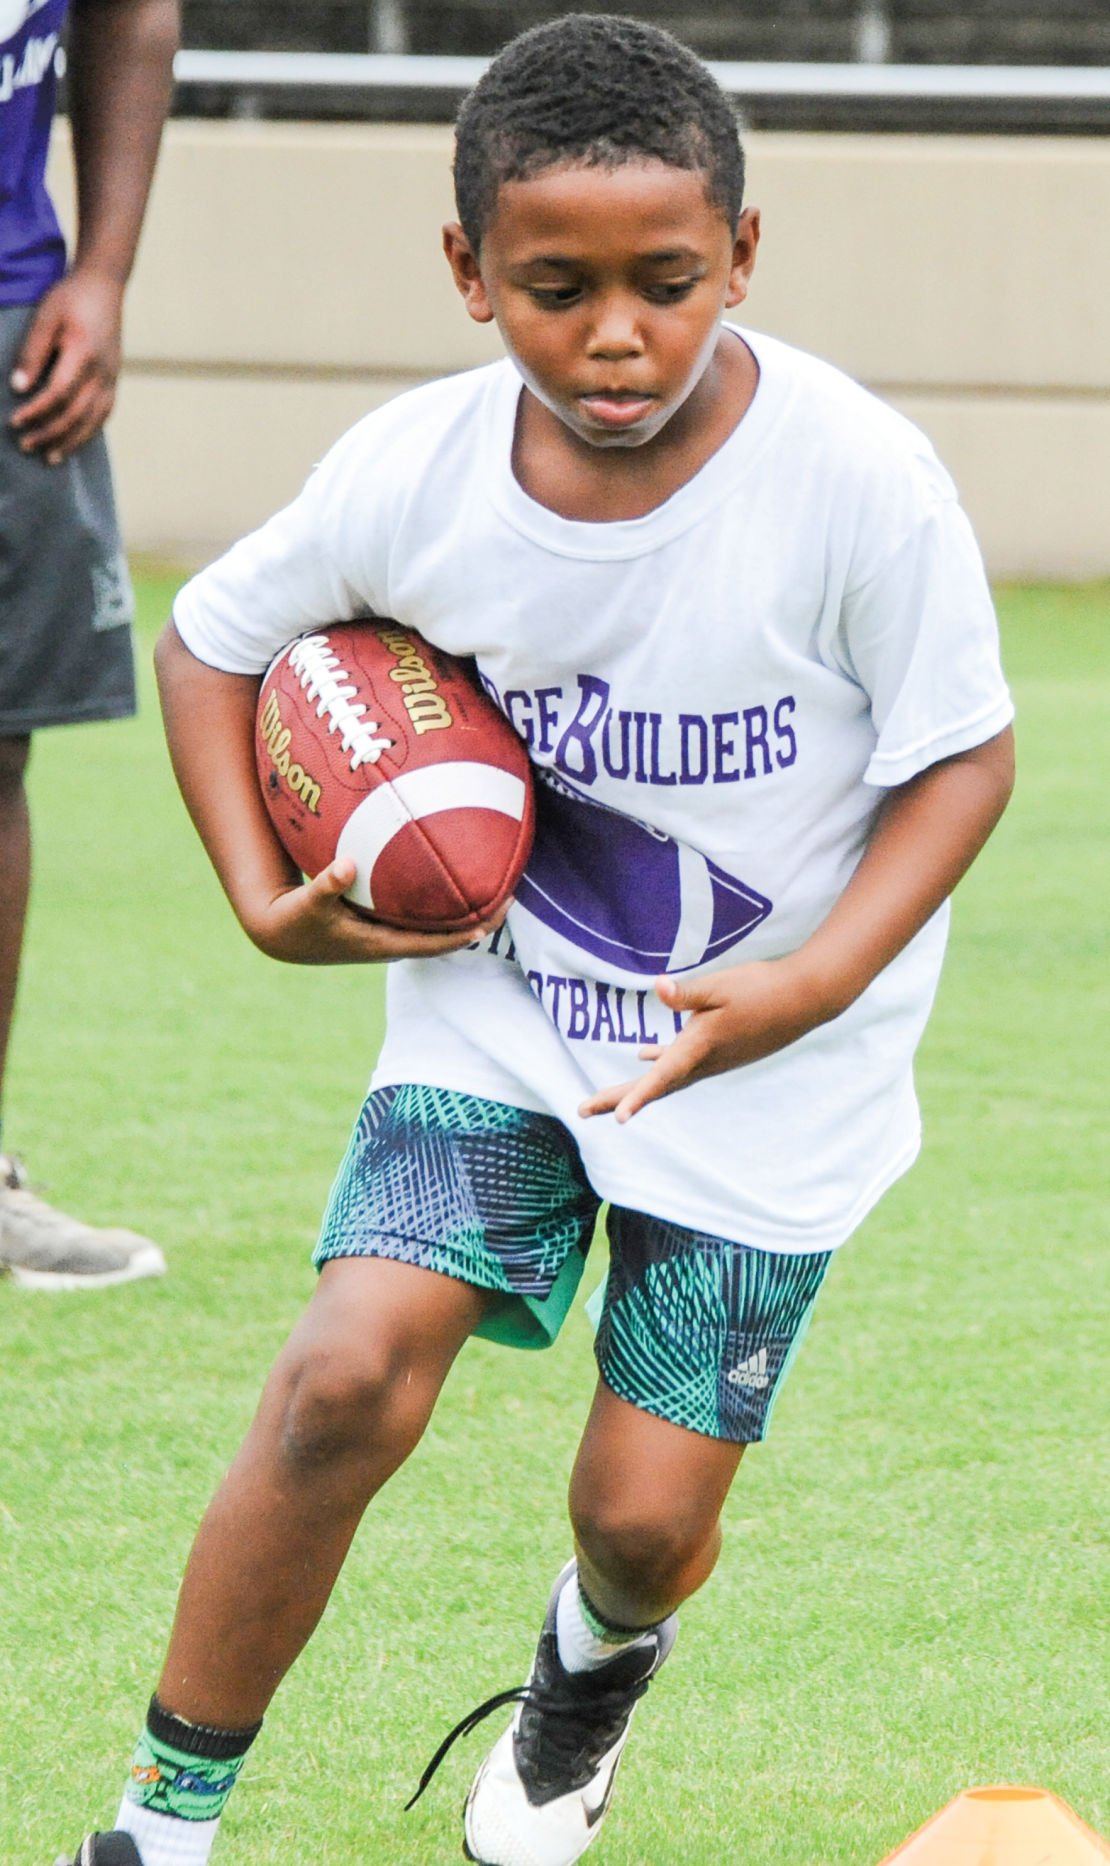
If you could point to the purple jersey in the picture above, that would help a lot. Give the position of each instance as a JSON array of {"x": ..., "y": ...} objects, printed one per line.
[{"x": 32, "y": 252}]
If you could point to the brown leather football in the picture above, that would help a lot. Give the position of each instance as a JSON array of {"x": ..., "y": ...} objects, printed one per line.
[{"x": 375, "y": 745}]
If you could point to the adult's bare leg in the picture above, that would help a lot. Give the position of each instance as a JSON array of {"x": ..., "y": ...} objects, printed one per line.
[{"x": 15, "y": 878}]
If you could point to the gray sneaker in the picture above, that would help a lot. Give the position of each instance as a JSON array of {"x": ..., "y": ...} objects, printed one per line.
[{"x": 41, "y": 1248}]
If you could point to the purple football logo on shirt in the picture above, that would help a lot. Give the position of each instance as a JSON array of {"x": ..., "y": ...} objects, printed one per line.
[{"x": 629, "y": 895}]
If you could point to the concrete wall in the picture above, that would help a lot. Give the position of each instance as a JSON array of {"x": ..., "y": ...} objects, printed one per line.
[{"x": 290, "y": 278}]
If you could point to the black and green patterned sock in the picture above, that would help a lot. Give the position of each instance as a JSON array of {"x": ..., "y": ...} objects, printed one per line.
[
  {"x": 585, "y": 1638},
  {"x": 186, "y": 1770}
]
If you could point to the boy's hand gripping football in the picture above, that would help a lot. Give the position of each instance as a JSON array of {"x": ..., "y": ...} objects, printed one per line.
[
  {"x": 210, "y": 727},
  {"x": 312, "y": 924}
]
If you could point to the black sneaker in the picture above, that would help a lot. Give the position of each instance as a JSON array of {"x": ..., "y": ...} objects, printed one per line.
[
  {"x": 114, "y": 1849},
  {"x": 541, "y": 1794}
]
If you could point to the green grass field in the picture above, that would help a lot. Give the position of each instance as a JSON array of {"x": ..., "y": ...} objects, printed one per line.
[{"x": 914, "y": 1588}]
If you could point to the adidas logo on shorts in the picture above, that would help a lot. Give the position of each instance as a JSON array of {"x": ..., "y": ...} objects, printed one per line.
[{"x": 751, "y": 1373}]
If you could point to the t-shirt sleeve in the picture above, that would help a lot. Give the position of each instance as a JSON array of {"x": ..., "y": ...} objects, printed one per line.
[
  {"x": 311, "y": 564},
  {"x": 921, "y": 637}
]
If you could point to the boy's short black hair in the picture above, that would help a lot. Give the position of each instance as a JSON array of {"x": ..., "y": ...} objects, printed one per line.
[{"x": 599, "y": 89}]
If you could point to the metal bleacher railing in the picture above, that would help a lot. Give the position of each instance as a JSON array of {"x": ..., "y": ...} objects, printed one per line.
[{"x": 861, "y": 64}]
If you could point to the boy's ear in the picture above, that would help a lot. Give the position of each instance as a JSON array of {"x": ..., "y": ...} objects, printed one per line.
[
  {"x": 743, "y": 256},
  {"x": 463, "y": 261}
]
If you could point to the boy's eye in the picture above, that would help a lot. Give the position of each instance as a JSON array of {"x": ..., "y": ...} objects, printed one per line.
[
  {"x": 659, "y": 291},
  {"x": 553, "y": 296},
  {"x": 669, "y": 291}
]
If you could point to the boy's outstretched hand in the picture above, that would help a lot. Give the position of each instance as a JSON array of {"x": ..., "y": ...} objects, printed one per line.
[
  {"x": 926, "y": 834},
  {"x": 314, "y": 925},
  {"x": 736, "y": 1016}
]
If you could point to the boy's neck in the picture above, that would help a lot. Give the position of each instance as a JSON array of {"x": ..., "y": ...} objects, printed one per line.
[{"x": 578, "y": 481}]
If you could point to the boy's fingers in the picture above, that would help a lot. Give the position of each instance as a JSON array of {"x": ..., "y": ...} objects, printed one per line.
[
  {"x": 335, "y": 878},
  {"x": 671, "y": 1072},
  {"x": 673, "y": 1066},
  {"x": 604, "y": 1101},
  {"x": 695, "y": 994},
  {"x": 399, "y": 943},
  {"x": 625, "y": 1099},
  {"x": 377, "y": 938}
]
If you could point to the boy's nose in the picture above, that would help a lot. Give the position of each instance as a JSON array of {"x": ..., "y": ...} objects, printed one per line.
[{"x": 616, "y": 330}]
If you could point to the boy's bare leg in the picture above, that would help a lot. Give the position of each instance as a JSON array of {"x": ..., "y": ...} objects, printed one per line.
[
  {"x": 348, "y": 1399},
  {"x": 645, "y": 1503}
]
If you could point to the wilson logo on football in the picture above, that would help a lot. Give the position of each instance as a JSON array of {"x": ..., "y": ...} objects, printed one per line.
[
  {"x": 424, "y": 703},
  {"x": 277, "y": 738}
]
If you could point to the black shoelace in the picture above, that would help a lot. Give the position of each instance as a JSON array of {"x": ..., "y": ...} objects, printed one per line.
[{"x": 601, "y": 1711}]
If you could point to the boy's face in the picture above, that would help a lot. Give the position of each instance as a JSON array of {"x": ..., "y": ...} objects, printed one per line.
[{"x": 607, "y": 285}]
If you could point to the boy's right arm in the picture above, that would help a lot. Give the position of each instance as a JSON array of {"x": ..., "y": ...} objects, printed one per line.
[{"x": 209, "y": 719}]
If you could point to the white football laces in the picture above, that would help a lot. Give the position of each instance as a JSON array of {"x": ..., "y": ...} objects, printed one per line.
[{"x": 326, "y": 680}]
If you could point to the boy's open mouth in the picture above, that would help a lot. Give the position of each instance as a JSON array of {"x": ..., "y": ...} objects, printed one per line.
[{"x": 617, "y": 408}]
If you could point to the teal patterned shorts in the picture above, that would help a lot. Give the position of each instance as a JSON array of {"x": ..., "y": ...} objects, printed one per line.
[{"x": 693, "y": 1328}]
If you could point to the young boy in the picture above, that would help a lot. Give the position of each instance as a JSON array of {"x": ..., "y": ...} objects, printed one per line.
[{"x": 732, "y": 604}]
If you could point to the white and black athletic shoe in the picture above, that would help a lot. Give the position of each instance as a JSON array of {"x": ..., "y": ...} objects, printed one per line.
[
  {"x": 540, "y": 1796},
  {"x": 114, "y": 1849}
]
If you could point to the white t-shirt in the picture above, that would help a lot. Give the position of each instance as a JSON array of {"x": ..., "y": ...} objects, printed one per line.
[{"x": 715, "y": 696}]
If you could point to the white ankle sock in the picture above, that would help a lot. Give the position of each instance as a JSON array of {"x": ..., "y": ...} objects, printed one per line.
[
  {"x": 163, "y": 1840},
  {"x": 580, "y": 1649}
]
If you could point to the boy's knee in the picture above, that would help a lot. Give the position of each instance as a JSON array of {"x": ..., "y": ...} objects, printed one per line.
[
  {"x": 647, "y": 1547},
  {"x": 340, "y": 1405}
]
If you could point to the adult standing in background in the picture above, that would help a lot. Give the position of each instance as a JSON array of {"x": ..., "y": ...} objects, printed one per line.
[{"x": 65, "y": 595}]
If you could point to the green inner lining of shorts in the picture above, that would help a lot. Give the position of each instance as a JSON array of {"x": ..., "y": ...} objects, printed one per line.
[{"x": 533, "y": 1321}]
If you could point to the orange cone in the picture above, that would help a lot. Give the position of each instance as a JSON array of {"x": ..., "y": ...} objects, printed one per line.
[{"x": 1003, "y": 1827}]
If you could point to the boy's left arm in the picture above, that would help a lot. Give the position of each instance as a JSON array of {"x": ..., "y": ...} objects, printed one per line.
[{"x": 927, "y": 835}]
